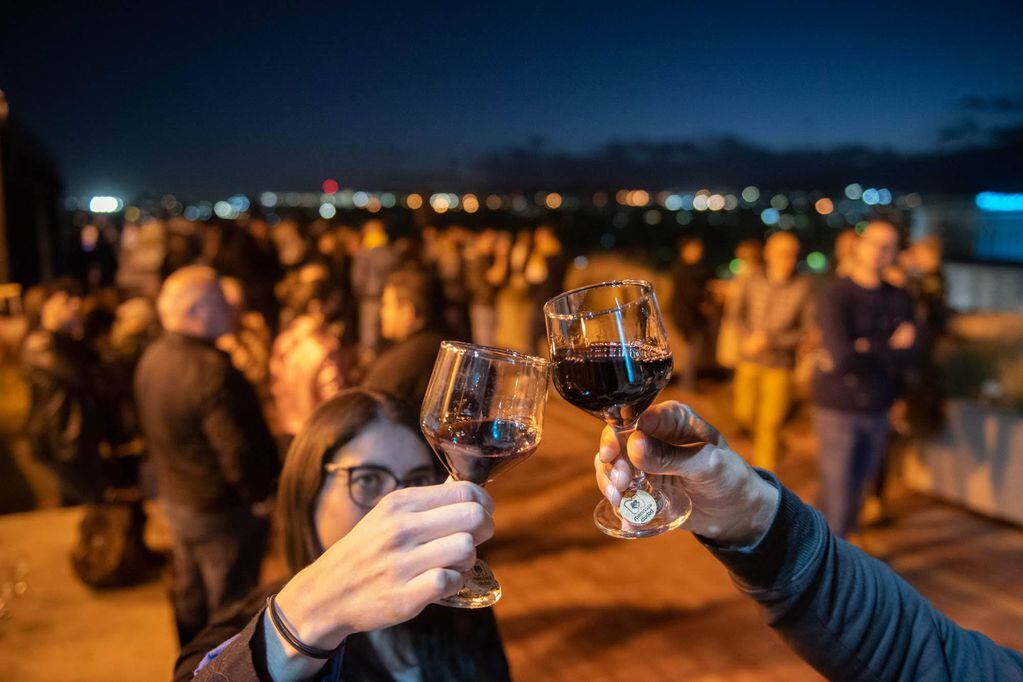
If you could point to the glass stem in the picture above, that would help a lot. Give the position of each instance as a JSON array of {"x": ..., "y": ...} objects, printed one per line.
[{"x": 637, "y": 480}]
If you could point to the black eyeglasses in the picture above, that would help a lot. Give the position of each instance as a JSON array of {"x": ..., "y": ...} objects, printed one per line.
[{"x": 369, "y": 482}]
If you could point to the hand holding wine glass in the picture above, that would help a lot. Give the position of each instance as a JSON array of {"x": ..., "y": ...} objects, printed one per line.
[
  {"x": 733, "y": 505},
  {"x": 611, "y": 359},
  {"x": 483, "y": 414}
]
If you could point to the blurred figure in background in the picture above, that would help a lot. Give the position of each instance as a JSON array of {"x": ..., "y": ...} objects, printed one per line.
[
  {"x": 307, "y": 365},
  {"x": 545, "y": 274},
  {"x": 94, "y": 262},
  {"x": 451, "y": 273},
  {"x": 845, "y": 248},
  {"x": 691, "y": 306},
  {"x": 371, "y": 267},
  {"x": 771, "y": 313},
  {"x": 248, "y": 342},
  {"x": 921, "y": 411},
  {"x": 135, "y": 327},
  {"x": 266, "y": 273},
  {"x": 926, "y": 286},
  {"x": 748, "y": 257},
  {"x": 410, "y": 319},
  {"x": 430, "y": 241},
  {"x": 291, "y": 245},
  {"x": 211, "y": 448},
  {"x": 65, "y": 422},
  {"x": 178, "y": 253},
  {"x": 871, "y": 341},
  {"x": 484, "y": 276},
  {"x": 514, "y": 306}
]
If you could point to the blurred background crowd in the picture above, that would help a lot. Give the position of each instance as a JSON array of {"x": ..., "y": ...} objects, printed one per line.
[{"x": 314, "y": 307}]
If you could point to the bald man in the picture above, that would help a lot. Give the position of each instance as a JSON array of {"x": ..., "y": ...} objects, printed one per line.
[
  {"x": 212, "y": 450},
  {"x": 871, "y": 341},
  {"x": 772, "y": 314}
]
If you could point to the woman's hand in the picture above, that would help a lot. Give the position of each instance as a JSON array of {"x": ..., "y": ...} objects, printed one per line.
[
  {"x": 409, "y": 551},
  {"x": 732, "y": 504}
]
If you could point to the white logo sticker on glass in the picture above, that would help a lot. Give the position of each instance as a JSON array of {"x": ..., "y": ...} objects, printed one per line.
[{"x": 638, "y": 508}]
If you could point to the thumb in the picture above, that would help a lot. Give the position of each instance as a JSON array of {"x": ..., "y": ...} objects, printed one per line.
[
  {"x": 676, "y": 423},
  {"x": 657, "y": 457}
]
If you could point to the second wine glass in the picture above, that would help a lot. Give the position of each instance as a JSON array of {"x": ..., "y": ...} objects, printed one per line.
[
  {"x": 483, "y": 414},
  {"x": 611, "y": 358}
]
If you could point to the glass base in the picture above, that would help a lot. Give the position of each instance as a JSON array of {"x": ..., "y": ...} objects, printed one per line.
[
  {"x": 673, "y": 508},
  {"x": 479, "y": 589}
]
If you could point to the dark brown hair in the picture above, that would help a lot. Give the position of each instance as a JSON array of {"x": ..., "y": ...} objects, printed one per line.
[{"x": 335, "y": 423}]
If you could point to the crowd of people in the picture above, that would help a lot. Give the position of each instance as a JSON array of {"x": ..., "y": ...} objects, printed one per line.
[{"x": 283, "y": 367}]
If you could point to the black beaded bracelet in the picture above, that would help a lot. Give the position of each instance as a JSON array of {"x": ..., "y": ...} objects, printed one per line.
[{"x": 290, "y": 637}]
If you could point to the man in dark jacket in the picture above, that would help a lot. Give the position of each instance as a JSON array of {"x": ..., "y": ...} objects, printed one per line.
[
  {"x": 212, "y": 450},
  {"x": 409, "y": 318},
  {"x": 843, "y": 612},
  {"x": 65, "y": 423},
  {"x": 871, "y": 342}
]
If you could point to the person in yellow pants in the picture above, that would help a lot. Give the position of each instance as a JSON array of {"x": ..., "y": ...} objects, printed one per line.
[
  {"x": 763, "y": 396},
  {"x": 772, "y": 313}
]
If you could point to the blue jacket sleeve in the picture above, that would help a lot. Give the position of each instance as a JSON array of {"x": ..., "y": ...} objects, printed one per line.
[{"x": 849, "y": 615}]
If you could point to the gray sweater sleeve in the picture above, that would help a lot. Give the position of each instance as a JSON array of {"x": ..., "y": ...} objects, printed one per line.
[{"x": 849, "y": 615}]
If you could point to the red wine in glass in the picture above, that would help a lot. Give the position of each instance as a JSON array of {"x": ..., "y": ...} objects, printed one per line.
[
  {"x": 479, "y": 450},
  {"x": 482, "y": 415},
  {"x": 611, "y": 381},
  {"x": 611, "y": 358}
]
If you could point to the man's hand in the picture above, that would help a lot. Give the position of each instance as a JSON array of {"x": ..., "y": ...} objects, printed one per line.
[
  {"x": 904, "y": 336},
  {"x": 732, "y": 504}
]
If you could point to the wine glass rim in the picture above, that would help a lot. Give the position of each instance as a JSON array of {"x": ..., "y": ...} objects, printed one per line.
[
  {"x": 648, "y": 290},
  {"x": 494, "y": 353}
]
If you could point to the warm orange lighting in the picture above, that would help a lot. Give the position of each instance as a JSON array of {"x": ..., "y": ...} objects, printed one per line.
[
  {"x": 493, "y": 202},
  {"x": 600, "y": 200},
  {"x": 622, "y": 196},
  {"x": 639, "y": 197},
  {"x": 440, "y": 203},
  {"x": 824, "y": 206},
  {"x": 373, "y": 205},
  {"x": 553, "y": 200},
  {"x": 413, "y": 201},
  {"x": 470, "y": 204},
  {"x": 715, "y": 202}
]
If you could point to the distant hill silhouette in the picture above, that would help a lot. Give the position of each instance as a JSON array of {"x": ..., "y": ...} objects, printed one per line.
[{"x": 732, "y": 162}]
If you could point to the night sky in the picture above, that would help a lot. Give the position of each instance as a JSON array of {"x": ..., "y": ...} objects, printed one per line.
[{"x": 217, "y": 97}]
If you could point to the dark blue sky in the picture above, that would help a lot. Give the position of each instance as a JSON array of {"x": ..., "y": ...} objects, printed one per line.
[{"x": 217, "y": 97}]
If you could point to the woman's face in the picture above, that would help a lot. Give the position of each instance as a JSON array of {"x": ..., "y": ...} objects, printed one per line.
[{"x": 381, "y": 444}]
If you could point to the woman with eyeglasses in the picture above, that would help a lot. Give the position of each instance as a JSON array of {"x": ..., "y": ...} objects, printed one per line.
[{"x": 372, "y": 538}]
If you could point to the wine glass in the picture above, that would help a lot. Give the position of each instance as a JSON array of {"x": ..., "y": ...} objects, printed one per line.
[
  {"x": 611, "y": 358},
  {"x": 483, "y": 414}
]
